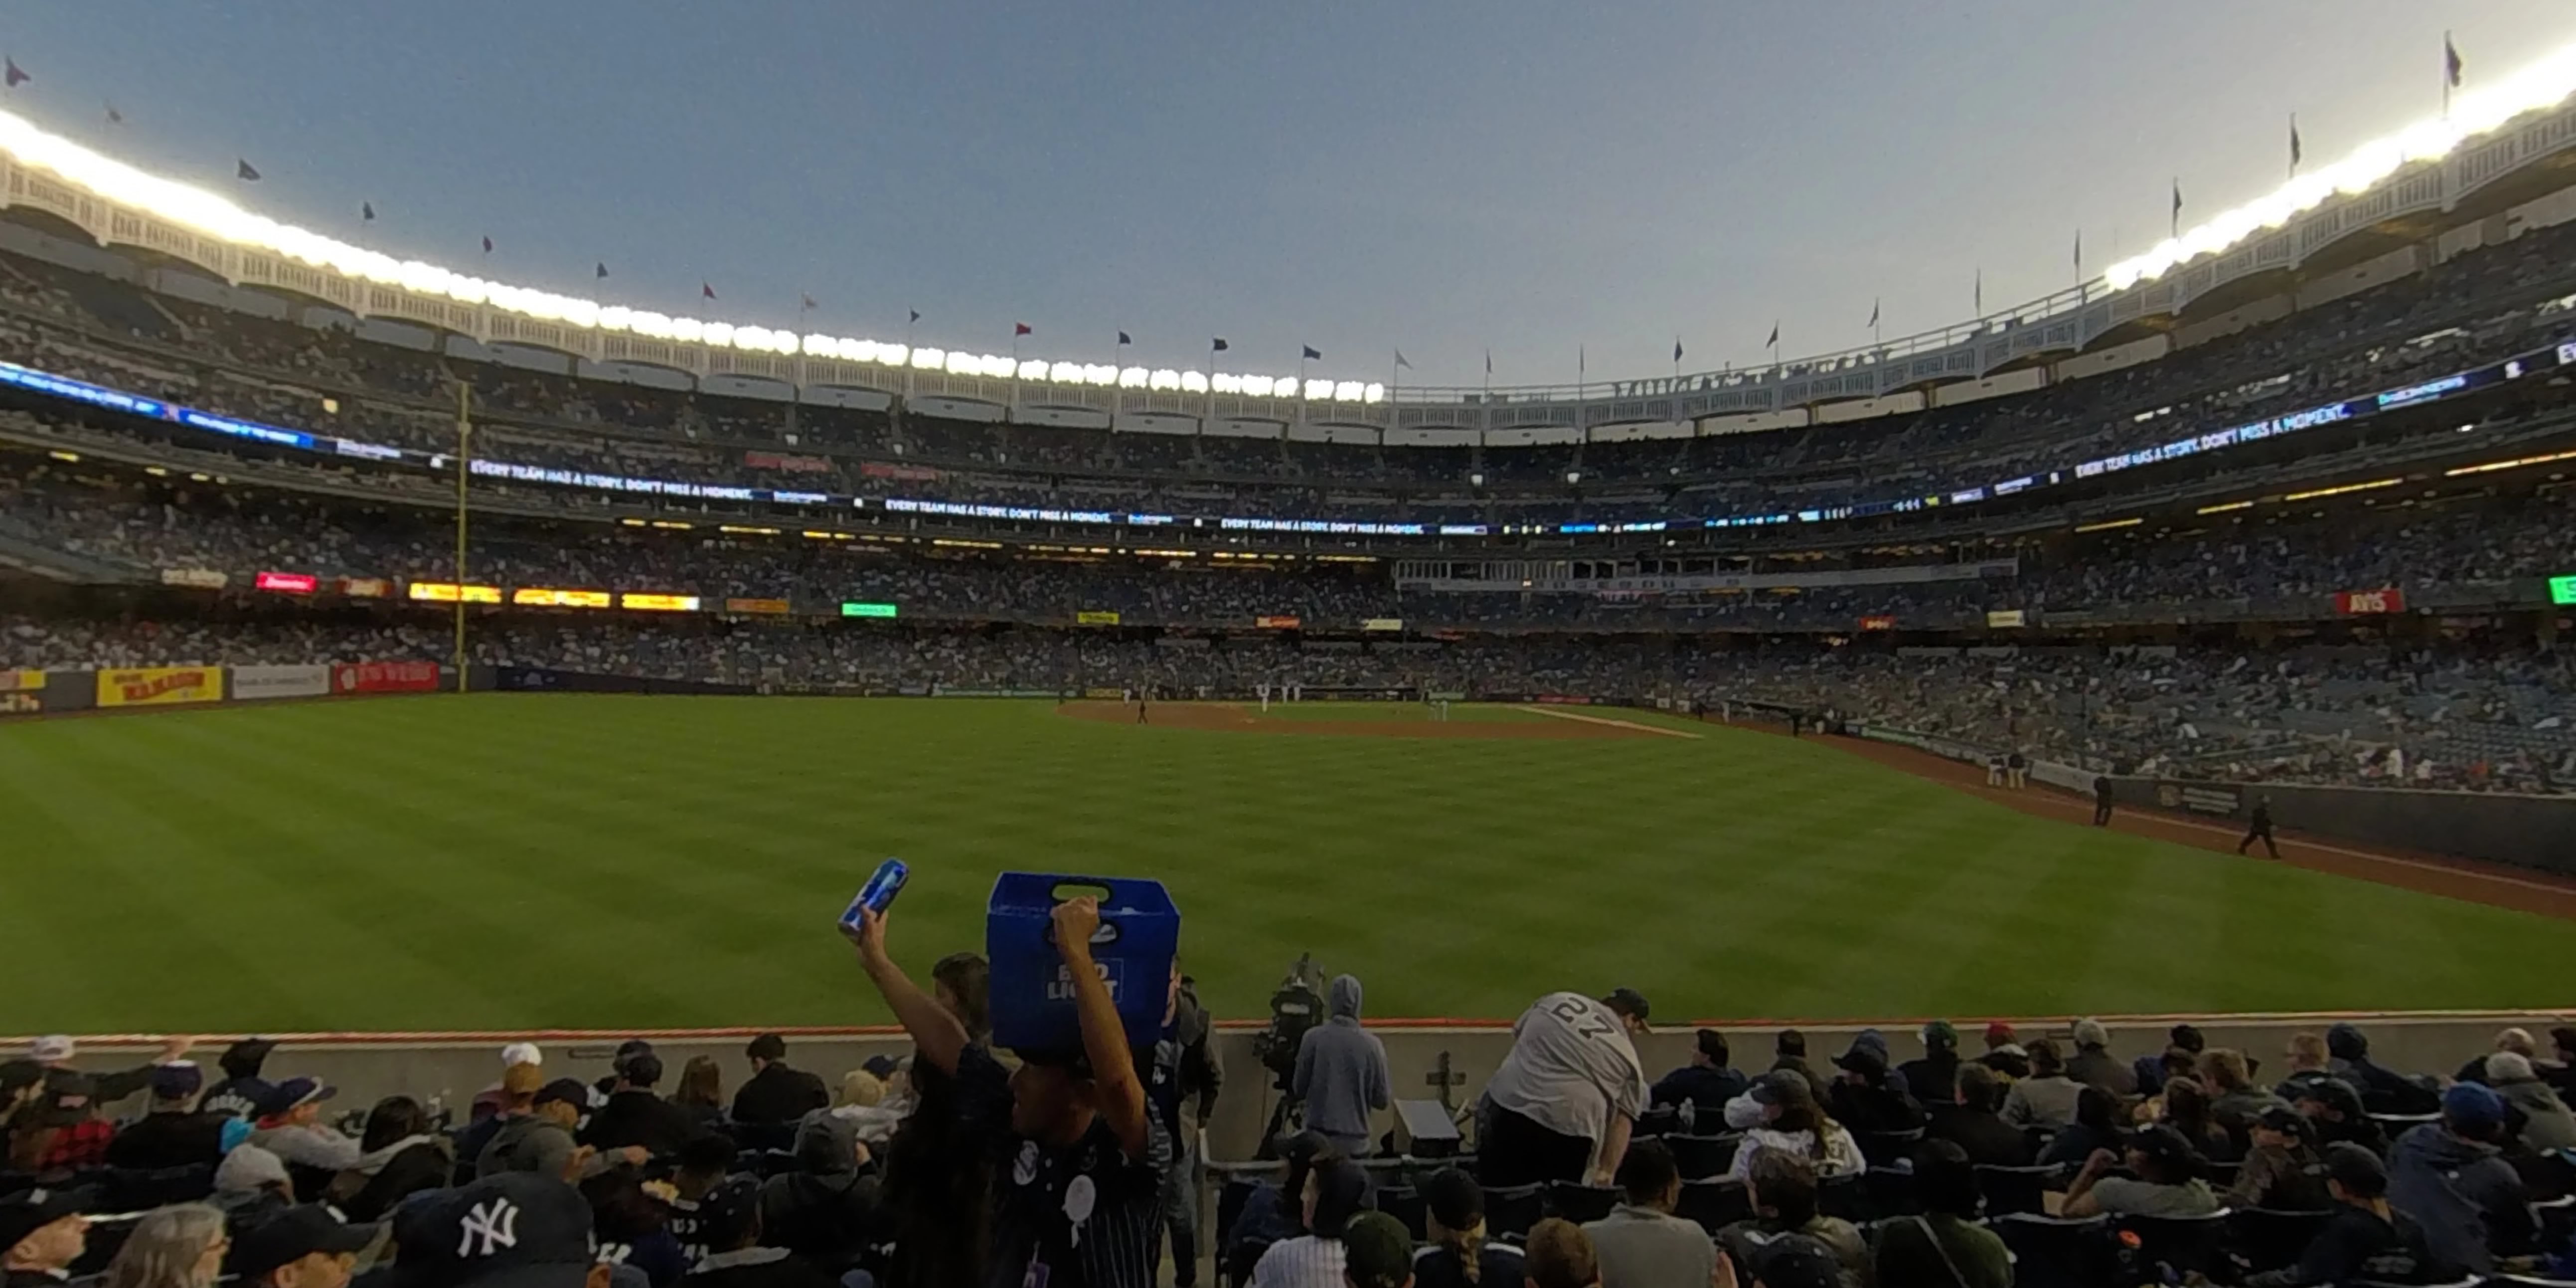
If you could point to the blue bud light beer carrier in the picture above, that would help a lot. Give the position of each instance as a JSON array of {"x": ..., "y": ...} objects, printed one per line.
[
  {"x": 878, "y": 894},
  {"x": 1139, "y": 937}
]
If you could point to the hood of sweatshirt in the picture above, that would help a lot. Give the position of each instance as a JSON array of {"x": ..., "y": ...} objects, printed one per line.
[{"x": 1346, "y": 998}]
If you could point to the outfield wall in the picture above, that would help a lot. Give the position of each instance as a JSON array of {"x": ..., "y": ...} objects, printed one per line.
[
  {"x": 1420, "y": 1054},
  {"x": 158, "y": 688}
]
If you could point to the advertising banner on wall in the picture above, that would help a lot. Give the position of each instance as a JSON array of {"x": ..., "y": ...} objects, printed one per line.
[
  {"x": 194, "y": 578},
  {"x": 159, "y": 686},
  {"x": 1096, "y": 617},
  {"x": 2000, "y": 618},
  {"x": 1879, "y": 622},
  {"x": 1275, "y": 623},
  {"x": 766, "y": 607},
  {"x": 2354, "y": 603},
  {"x": 385, "y": 677},
  {"x": 252, "y": 683},
  {"x": 22, "y": 693},
  {"x": 1383, "y": 624}
]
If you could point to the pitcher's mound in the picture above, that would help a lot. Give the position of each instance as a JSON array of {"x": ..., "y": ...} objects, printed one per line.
[{"x": 1366, "y": 720}]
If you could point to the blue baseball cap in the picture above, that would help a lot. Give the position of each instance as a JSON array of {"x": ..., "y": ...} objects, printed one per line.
[{"x": 2470, "y": 1105}]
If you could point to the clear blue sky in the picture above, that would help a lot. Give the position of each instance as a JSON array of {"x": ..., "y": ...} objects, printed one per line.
[{"x": 1439, "y": 175}]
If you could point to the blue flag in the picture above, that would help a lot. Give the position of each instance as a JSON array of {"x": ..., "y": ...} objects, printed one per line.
[
  {"x": 1310, "y": 351},
  {"x": 1219, "y": 346},
  {"x": 1122, "y": 338},
  {"x": 242, "y": 170}
]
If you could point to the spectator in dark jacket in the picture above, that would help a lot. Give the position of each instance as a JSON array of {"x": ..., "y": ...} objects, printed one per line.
[
  {"x": 2383, "y": 1090},
  {"x": 737, "y": 1255},
  {"x": 172, "y": 1133},
  {"x": 2365, "y": 1239},
  {"x": 701, "y": 1091},
  {"x": 242, "y": 1088},
  {"x": 1707, "y": 1082},
  {"x": 1935, "y": 1077},
  {"x": 1865, "y": 1101},
  {"x": 2334, "y": 1109},
  {"x": 824, "y": 1209},
  {"x": 2004, "y": 1052},
  {"x": 2094, "y": 1065},
  {"x": 2096, "y": 1127},
  {"x": 776, "y": 1093},
  {"x": 2517, "y": 1041},
  {"x": 404, "y": 1154},
  {"x": 2453, "y": 1179},
  {"x": 635, "y": 1115},
  {"x": 1977, "y": 1126},
  {"x": 1789, "y": 1052},
  {"x": 2149, "y": 1070}
]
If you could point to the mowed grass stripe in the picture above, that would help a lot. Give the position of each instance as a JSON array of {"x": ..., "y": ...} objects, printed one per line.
[{"x": 505, "y": 861}]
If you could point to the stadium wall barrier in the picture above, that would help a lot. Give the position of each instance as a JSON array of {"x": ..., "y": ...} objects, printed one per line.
[
  {"x": 1422, "y": 1055},
  {"x": 2537, "y": 832},
  {"x": 174, "y": 688}
]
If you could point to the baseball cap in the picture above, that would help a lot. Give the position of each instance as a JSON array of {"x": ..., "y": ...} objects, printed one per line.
[
  {"x": 2509, "y": 1066},
  {"x": 2467, "y": 1104},
  {"x": 642, "y": 1068},
  {"x": 1999, "y": 1033},
  {"x": 291, "y": 1236},
  {"x": 510, "y": 1230},
  {"x": 1628, "y": 1002},
  {"x": 1376, "y": 1251},
  {"x": 1939, "y": 1033},
  {"x": 1783, "y": 1087},
  {"x": 568, "y": 1090},
  {"x": 286, "y": 1095},
  {"x": 1865, "y": 1061},
  {"x": 521, "y": 1053},
  {"x": 27, "y": 1211},
  {"x": 51, "y": 1048},
  {"x": 177, "y": 1080},
  {"x": 1794, "y": 1261},
  {"x": 2282, "y": 1118},
  {"x": 2356, "y": 1169},
  {"x": 242, "y": 1059},
  {"x": 2161, "y": 1142},
  {"x": 727, "y": 1213},
  {"x": 2089, "y": 1032},
  {"x": 881, "y": 1067}
]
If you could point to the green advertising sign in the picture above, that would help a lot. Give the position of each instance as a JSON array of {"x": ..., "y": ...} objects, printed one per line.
[
  {"x": 2562, "y": 590},
  {"x": 867, "y": 610}
]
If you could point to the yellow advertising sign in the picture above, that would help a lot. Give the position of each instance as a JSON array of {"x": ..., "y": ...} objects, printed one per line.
[
  {"x": 448, "y": 592},
  {"x": 157, "y": 686},
  {"x": 21, "y": 681},
  {"x": 529, "y": 595},
  {"x": 1096, "y": 617},
  {"x": 659, "y": 603}
]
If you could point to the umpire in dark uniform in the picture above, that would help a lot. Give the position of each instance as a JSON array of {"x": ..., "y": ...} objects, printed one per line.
[
  {"x": 2101, "y": 800},
  {"x": 2260, "y": 825}
]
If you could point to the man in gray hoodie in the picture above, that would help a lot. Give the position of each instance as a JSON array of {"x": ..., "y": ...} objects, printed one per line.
[{"x": 1341, "y": 1073}]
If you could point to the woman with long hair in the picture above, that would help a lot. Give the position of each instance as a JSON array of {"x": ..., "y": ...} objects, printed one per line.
[
  {"x": 1793, "y": 1121},
  {"x": 1336, "y": 1190},
  {"x": 701, "y": 1089},
  {"x": 180, "y": 1246},
  {"x": 938, "y": 1190},
  {"x": 402, "y": 1157},
  {"x": 2187, "y": 1110},
  {"x": 1460, "y": 1254}
]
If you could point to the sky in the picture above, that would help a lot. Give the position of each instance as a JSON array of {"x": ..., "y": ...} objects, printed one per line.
[{"x": 1446, "y": 177}]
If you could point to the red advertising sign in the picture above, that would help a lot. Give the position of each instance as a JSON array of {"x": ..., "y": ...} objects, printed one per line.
[
  {"x": 1275, "y": 623},
  {"x": 288, "y": 583},
  {"x": 793, "y": 464},
  {"x": 2356, "y": 602},
  {"x": 385, "y": 677},
  {"x": 912, "y": 473},
  {"x": 1878, "y": 623}
]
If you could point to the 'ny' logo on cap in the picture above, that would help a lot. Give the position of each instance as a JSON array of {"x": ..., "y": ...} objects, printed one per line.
[{"x": 492, "y": 1226}]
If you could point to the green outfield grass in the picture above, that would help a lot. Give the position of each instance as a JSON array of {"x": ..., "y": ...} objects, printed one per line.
[{"x": 503, "y": 860}]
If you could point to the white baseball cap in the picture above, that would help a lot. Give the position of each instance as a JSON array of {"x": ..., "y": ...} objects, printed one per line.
[
  {"x": 49, "y": 1049},
  {"x": 521, "y": 1053}
]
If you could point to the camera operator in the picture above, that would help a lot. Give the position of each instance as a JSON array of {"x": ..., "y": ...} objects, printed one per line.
[{"x": 1341, "y": 1073}]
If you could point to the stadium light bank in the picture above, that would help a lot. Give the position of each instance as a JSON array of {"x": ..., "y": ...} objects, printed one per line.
[{"x": 2472, "y": 112}]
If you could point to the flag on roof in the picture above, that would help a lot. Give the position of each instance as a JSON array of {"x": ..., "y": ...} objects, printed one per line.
[
  {"x": 1019, "y": 329},
  {"x": 916, "y": 316},
  {"x": 367, "y": 211},
  {"x": 1774, "y": 341},
  {"x": 487, "y": 245},
  {"x": 1218, "y": 346},
  {"x": 1489, "y": 362},
  {"x": 2295, "y": 150},
  {"x": 599, "y": 270},
  {"x": 1677, "y": 348},
  {"x": 17, "y": 77},
  {"x": 707, "y": 289},
  {"x": 242, "y": 170},
  {"x": 1122, "y": 338},
  {"x": 1310, "y": 351},
  {"x": 2451, "y": 64},
  {"x": 1873, "y": 312},
  {"x": 1399, "y": 359},
  {"x": 806, "y": 302},
  {"x": 114, "y": 117}
]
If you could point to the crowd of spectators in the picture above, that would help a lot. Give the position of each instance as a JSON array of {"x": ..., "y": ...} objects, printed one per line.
[
  {"x": 2028, "y": 1161},
  {"x": 2485, "y": 304}
]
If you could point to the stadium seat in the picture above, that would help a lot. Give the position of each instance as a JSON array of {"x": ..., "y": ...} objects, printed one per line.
[
  {"x": 2264, "y": 1239},
  {"x": 2050, "y": 1252},
  {"x": 1842, "y": 1196},
  {"x": 1658, "y": 1120},
  {"x": 1703, "y": 1156},
  {"x": 1714, "y": 1203},
  {"x": 2555, "y": 1219},
  {"x": 2171, "y": 1249},
  {"x": 1580, "y": 1203},
  {"x": 1886, "y": 1148},
  {"x": 1405, "y": 1204},
  {"x": 1514, "y": 1209},
  {"x": 137, "y": 1190},
  {"x": 2012, "y": 1190}
]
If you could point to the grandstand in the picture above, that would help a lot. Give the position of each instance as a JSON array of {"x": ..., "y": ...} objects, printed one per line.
[{"x": 2268, "y": 526}]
